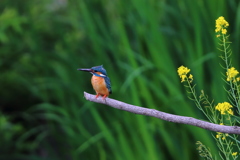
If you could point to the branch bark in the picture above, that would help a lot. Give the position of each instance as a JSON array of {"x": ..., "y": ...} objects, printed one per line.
[{"x": 162, "y": 115}]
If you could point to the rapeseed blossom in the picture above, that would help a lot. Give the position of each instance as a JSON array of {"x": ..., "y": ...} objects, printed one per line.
[
  {"x": 182, "y": 72},
  {"x": 221, "y": 25},
  {"x": 234, "y": 153},
  {"x": 231, "y": 74},
  {"x": 224, "y": 108}
]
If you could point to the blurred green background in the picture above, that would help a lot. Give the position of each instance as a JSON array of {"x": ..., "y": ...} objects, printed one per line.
[{"x": 141, "y": 43}]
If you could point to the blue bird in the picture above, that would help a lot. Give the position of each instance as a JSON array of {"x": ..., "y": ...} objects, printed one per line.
[{"x": 100, "y": 81}]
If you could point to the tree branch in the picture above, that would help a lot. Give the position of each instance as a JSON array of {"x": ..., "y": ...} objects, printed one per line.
[{"x": 162, "y": 115}]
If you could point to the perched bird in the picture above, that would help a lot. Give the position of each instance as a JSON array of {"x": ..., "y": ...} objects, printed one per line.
[{"x": 100, "y": 81}]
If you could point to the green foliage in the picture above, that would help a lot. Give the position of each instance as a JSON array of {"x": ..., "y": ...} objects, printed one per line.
[
  {"x": 204, "y": 151},
  {"x": 222, "y": 113},
  {"x": 140, "y": 43}
]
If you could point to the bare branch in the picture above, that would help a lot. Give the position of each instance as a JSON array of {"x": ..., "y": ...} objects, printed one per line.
[{"x": 162, "y": 115}]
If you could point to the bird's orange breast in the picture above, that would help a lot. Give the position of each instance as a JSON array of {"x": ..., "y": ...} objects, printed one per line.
[{"x": 99, "y": 85}]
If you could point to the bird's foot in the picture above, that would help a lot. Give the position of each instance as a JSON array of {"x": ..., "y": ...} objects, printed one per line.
[
  {"x": 104, "y": 97},
  {"x": 97, "y": 95}
]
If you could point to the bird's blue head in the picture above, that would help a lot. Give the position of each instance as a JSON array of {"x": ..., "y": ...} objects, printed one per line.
[
  {"x": 97, "y": 71},
  {"x": 100, "y": 69}
]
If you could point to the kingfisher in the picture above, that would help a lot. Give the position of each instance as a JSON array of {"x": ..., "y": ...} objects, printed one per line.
[{"x": 100, "y": 81}]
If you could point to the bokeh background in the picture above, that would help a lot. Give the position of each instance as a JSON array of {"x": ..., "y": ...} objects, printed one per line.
[{"x": 141, "y": 43}]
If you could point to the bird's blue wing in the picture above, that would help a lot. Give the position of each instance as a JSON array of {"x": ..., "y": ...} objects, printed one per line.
[{"x": 108, "y": 83}]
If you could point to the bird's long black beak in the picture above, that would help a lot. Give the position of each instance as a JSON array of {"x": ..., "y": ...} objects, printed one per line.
[{"x": 85, "y": 69}]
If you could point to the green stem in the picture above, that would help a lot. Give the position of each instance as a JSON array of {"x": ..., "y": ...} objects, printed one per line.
[
  {"x": 232, "y": 88},
  {"x": 197, "y": 102}
]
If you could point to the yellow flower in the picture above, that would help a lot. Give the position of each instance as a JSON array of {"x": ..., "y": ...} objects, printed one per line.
[
  {"x": 231, "y": 73},
  {"x": 234, "y": 153},
  {"x": 219, "y": 134},
  {"x": 224, "y": 107},
  {"x": 190, "y": 78},
  {"x": 182, "y": 72},
  {"x": 230, "y": 112},
  {"x": 224, "y": 31},
  {"x": 221, "y": 25},
  {"x": 238, "y": 79}
]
